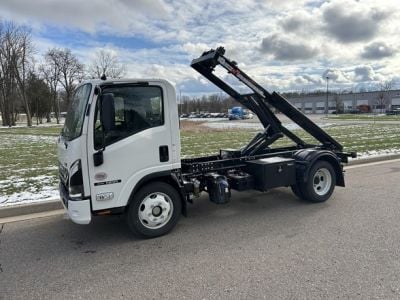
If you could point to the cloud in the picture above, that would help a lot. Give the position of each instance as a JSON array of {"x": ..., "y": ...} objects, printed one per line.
[
  {"x": 335, "y": 75},
  {"x": 300, "y": 22},
  {"x": 300, "y": 80},
  {"x": 314, "y": 79},
  {"x": 364, "y": 73},
  {"x": 306, "y": 81},
  {"x": 195, "y": 49},
  {"x": 352, "y": 21},
  {"x": 196, "y": 86},
  {"x": 287, "y": 49},
  {"x": 377, "y": 50},
  {"x": 89, "y": 16},
  {"x": 282, "y": 44}
]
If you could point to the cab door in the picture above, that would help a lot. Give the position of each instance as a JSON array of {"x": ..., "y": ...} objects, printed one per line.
[{"x": 131, "y": 135}]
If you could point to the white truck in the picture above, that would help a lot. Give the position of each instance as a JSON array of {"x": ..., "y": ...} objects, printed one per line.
[{"x": 119, "y": 152}]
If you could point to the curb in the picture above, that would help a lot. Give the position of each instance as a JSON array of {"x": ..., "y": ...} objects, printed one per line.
[
  {"x": 55, "y": 204},
  {"x": 372, "y": 159},
  {"x": 31, "y": 208}
]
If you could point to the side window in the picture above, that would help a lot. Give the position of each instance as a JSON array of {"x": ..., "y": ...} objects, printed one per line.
[{"x": 129, "y": 110}]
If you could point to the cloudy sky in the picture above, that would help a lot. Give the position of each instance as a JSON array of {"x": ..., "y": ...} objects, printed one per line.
[{"x": 286, "y": 45}]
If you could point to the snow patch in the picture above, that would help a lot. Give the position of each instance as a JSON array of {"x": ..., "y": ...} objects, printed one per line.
[
  {"x": 376, "y": 153},
  {"x": 47, "y": 193},
  {"x": 10, "y": 140}
]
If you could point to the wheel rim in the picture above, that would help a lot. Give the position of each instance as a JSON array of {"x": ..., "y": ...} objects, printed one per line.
[
  {"x": 155, "y": 210},
  {"x": 322, "y": 181}
]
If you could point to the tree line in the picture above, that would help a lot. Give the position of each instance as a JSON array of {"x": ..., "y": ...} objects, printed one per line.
[
  {"x": 214, "y": 103},
  {"x": 42, "y": 88}
]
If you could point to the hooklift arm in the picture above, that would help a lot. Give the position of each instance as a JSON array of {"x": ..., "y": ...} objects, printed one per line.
[{"x": 257, "y": 103}]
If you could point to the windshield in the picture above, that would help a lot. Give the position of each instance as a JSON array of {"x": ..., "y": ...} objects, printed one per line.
[{"x": 76, "y": 113}]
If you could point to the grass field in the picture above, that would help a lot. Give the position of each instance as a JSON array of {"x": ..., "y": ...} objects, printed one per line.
[
  {"x": 362, "y": 138},
  {"x": 365, "y": 117},
  {"x": 28, "y": 162}
]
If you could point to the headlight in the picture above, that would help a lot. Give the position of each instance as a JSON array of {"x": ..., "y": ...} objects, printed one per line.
[{"x": 75, "y": 180}]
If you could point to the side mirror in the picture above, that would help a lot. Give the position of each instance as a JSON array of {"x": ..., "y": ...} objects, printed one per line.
[{"x": 107, "y": 119}]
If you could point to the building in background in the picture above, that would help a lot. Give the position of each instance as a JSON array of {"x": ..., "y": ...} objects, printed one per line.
[{"x": 377, "y": 102}]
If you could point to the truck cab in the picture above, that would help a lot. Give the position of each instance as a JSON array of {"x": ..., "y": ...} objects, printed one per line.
[
  {"x": 117, "y": 133},
  {"x": 236, "y": 113}
]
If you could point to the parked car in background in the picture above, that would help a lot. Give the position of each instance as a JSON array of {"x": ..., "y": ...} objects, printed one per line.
[{"x": 393, "y": 112}]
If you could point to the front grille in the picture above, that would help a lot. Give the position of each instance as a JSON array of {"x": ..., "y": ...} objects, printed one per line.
[
  {"x": 63, "y": 173},
  {"x": 64, "y": 194}
]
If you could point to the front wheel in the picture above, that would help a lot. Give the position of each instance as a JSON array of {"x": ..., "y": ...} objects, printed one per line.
[
  {"x": 320, "y": 184},
  {"x": 155, "y": 210}
]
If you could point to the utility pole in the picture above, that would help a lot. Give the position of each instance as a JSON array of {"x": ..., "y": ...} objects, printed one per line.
[
  {"x": 326, "y": 101},
  {"x": 180, "y": 103}
]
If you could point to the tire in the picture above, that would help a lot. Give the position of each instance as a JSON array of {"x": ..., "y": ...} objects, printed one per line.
[
  {"x": 154, "y": 211},
  {"x": 320, "y": 184},
  {"x": 296, "y": 190}
]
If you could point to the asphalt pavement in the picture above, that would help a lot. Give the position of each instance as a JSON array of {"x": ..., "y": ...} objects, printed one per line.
[{"x": 261, "y": 245}]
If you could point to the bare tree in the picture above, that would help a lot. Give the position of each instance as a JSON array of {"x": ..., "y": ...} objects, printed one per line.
[
  {"x": 381, "y": 101},
  {"x": 16, "y": 51},
  {"x": 62, "y": 69},
  {"x": 386, "y": 85},
  {"x": 382, "y": 98},
  {"x": 6, "y": 79},
  {"x": 71, "y": 71},
  {"x": 106, "y": 63},
  {"x": 21, "y": 61},
  {"x": 215, "y": 103},
  {"x": 338, "y": 104},
  {"x": 51, "y": 74}
]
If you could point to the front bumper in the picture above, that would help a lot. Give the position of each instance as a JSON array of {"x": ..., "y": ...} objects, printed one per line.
[{"x": 78, "y": 210}]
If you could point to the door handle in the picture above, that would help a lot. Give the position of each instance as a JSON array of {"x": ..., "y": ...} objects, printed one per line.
[{"x": 164, "y": 156}]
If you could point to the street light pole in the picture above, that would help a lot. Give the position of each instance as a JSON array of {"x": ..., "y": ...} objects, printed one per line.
[
  {"x": 180, "y": 103},
  {"x": 327, "y": 103}
]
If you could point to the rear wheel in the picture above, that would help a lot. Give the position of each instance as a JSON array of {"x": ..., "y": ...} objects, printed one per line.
[
  {"x": 320, "y": 184},
  {"x": 296, "y": 190},
  {"x": 155, "y": 210}
]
